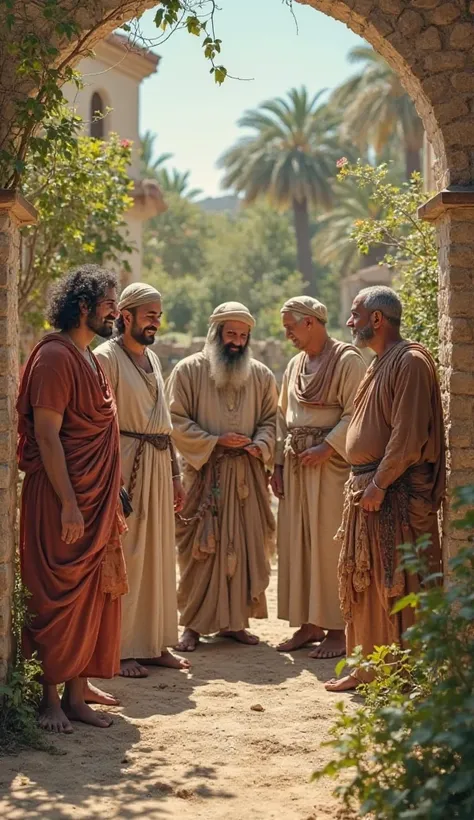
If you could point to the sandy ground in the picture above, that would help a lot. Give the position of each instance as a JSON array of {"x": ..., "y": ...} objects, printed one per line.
[{"x": 190, "y": 746}]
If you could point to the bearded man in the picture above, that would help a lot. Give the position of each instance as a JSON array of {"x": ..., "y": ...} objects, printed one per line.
[
  {"x": 395, "y": 444},
  {"x": 223, "y": 406},
  {"x": 314, "y": 411},
  {"x": 151, "y": 475},
  {"x": 71, "y": 555}
]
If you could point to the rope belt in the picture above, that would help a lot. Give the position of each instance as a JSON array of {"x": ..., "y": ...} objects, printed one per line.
[
  {"x": 300, "y": 439},
  {"x": 160, "y": 441},
  {"x": 361, "y": 469}
]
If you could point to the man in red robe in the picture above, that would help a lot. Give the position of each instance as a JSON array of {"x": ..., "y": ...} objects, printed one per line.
[{"x": 71, "y": 555}]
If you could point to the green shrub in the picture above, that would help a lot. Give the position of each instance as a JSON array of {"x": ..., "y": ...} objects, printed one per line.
[{"x": 408, "y": 752}]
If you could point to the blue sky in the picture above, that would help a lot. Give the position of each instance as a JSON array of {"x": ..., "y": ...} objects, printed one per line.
[{"x": 197, "y": 120}]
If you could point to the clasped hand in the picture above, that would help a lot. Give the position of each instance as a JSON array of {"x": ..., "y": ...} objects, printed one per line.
[{"x": 238, "y": 441}]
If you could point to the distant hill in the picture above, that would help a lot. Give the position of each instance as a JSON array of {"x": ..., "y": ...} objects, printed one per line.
[{"x": 220, "y": 204}]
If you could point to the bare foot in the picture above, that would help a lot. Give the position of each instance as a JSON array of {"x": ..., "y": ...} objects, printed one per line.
[
  {"x": 53, "y": 719},
  {"x": 166, "y": 659},
  {"x": 189, "y": 641},
  {"x": 241, "y": 636},
  {"x": 130, "y": 668},
  {"x": 345, "y": 684},
  {"x": 83, "y": 713},
  {"x": 92, "y": 694},
  {"x": 333, "y": 646},
  {"x": 306, "y": 634}
]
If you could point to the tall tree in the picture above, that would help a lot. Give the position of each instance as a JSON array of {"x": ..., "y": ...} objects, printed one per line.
[
  {"x": 290, "y": 159},
  {"x": 377, "y": 111},
  {"x": 151, "y": 165},
  {"x": 177, "y": 182}
]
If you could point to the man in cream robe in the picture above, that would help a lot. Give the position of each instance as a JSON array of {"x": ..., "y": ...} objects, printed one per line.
[
  {"x": 149, "y": 620},
  {"x": 223, "y": 406},
  {"x": 314, "y": 411}
]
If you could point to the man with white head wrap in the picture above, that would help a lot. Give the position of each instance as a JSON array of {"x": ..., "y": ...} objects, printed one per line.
[
  {"x": 223, "y": 407},
  {"x": 315, "y": 408},
  {"x": 151, "y": 476}
]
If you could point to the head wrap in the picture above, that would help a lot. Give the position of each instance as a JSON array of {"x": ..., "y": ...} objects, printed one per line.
[
  {"x": 136, "y": 294},
  {"x": 231, "y": 312},
  {"x": 306, "y": 306}
]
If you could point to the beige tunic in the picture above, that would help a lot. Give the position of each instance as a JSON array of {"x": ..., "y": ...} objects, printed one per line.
[
  {"x": 310, "y": 513},
  {"x": 227, "y": 529},
  {"x": 149, "y": 611}
]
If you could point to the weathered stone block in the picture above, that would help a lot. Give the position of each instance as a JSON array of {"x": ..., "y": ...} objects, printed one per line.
[
  {"x": 445, "y": 14},
  {"x": 462, "y": 36},
  {"x": 459, "y": 133},
  {"x": 439, "y": 61},
  {"x": 410, "y": 22},
  {"x": 462, "y": 357},
  {"x": 463, "y": 81},
  {"x": 425, "y": 4},
  {"x": 461, "y": 303},
  {"x": 430, "y": 39},
  {"x": 452, "y": 110},
  {"x": 462, "y": 458},
  {"x": 460, "y": 256},
  {"x": 437, "y": 87},
  {"x": 462, "y": 232},
  {"x": 461, "y": 384},
  {"x": 461, "y": 408}
]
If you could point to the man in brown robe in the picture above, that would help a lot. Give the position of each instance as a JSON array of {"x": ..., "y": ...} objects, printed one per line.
[
  {"x": 223, "y": 406},
  {"x": 71, "y": 554},
  {"x": 395, "y": 444},
  {"x": 314, "y": 412}
]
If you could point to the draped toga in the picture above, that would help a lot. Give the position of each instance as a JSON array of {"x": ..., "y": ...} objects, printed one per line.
[
  {"x": 225, "y": 534},
  {"x": 313, "y": 407},
  {"x": 396, "y": 437},
  {"x": 75, "y": 588},
  {"x": 149, "y": 610}
]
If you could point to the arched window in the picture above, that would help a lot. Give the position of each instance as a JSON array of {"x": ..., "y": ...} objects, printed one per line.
[{"x": 97, "y": 116}]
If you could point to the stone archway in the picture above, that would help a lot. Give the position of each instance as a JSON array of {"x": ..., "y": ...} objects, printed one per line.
[{"x": 430, "y": 43}]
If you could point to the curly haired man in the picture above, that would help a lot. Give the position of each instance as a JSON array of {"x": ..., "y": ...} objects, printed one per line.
[{"x": 71, "y": 555}]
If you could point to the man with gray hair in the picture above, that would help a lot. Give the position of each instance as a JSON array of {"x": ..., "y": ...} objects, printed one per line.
[
  {"x": 395, "y": 444},
  {"x": 223, "y": 406},
  {"x": 314, "y": 411}
]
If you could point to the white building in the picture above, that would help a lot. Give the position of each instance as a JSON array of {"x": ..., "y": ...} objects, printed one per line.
[{"x": 112, "y": 79}]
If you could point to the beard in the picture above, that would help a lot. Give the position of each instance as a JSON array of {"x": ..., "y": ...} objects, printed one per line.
[
  {"x": 362, "y": 337},
  {"x": 101, "y": 327},
  {"x": 229, "y": 365},
  {"x": 143, "y": 335}
]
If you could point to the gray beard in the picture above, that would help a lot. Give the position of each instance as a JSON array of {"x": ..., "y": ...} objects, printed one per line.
[{"x": 227, "y": 372}]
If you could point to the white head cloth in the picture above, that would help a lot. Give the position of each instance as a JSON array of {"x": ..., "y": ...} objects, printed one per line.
[
  {"x": 306, "y": 306},
  {"x": 231, "y": 312},
  {"x": 136, "y": 294}
]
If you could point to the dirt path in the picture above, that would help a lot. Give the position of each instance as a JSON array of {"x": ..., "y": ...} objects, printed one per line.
[{"x": 190, "y": 746}]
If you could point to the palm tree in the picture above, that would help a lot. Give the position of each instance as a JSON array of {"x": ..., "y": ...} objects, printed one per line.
[
  {"x": 289, "y": 158},
  {"x": 377, "y": 110},
  {"x": 149, "y": 164},
  {"x": 177, "y": 182},
  {"x": 334, "y": 244}
]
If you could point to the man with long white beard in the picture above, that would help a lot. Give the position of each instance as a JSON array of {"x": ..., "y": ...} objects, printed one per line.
[{"x": 223, "y": 409}]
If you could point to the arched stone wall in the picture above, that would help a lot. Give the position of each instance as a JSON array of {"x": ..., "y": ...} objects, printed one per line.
[{"x": 430, "y": 43}]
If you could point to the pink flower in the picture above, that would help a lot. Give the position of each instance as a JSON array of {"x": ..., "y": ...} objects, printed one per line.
[
  {"x": 126, "y": 143},
  {"x": 341, "y": 162}
]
